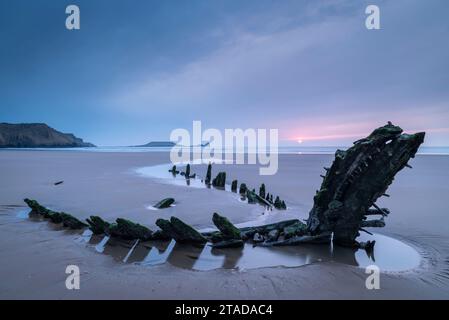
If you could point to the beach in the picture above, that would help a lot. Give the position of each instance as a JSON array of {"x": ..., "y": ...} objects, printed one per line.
[{"x": 34, "y": 254}]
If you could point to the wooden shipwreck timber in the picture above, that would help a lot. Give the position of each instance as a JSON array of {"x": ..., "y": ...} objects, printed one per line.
[{"x": 357, "y": 178}]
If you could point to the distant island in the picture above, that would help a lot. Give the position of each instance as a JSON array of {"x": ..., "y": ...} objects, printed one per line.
[
  {"x": 37, "y": 135},
  {"x": 160, "y": 144},
  {"x": 155, "y": 144}
]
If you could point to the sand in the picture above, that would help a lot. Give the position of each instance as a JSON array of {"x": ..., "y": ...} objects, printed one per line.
[{"x": 34, "y": 255}]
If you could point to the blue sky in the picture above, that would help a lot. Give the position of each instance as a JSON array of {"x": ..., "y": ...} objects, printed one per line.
[{"x": 138, "y": 69}]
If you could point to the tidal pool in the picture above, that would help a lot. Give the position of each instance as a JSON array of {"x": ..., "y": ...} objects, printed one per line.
[{"x": 389, "y": 254}]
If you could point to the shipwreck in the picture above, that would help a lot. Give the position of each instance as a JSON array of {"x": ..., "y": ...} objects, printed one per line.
[{"x": 344, "y": 206}]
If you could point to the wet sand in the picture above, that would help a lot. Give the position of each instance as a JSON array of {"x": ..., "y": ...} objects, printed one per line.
[{"x": 34, "y": 254}]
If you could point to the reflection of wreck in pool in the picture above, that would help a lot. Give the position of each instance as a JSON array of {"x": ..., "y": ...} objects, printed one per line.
[
  {"x": 231, "y": 257},
  {"x": 118, "y": 249},
  {"x": 157, "y": 252},
  {"x": 391, "y": 255},
  {"x": 185, "y": 255}
]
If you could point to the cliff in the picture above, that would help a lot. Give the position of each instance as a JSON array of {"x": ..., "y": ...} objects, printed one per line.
[{"x": 37, "y": 135}]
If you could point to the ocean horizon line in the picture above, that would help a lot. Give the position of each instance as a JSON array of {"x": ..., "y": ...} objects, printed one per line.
[{"x": 310, "y": 150}]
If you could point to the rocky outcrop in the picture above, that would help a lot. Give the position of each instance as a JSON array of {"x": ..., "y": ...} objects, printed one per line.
[{"x": 37, "y": 135}]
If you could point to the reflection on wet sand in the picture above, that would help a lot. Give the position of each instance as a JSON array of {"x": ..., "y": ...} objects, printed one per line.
[
  {"x": 158, "y": 253},
  {"x": 394, "y": 255},
  {"x": 389, "y": 254},
  {"x": 138, "y": 253},
  {"x": 185, "y": 255},
  {"x": 118, "y": 249},
  {"x": 231, "y": 257},
  {"x": 346, "y": 255}
]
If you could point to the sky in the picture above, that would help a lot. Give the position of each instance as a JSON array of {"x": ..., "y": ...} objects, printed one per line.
[{"x": 136, "y": 70}]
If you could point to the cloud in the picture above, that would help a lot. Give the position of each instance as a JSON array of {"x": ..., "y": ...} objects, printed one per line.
[
  {"x": 320, "y": 70},
  {"x": 247, "y": 70}
]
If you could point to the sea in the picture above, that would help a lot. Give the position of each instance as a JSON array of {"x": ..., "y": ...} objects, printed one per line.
[{"x": 281, "y": 150}]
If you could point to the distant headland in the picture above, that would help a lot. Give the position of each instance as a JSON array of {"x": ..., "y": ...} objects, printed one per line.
[
  {"x": 161, "y": 144},
  {"x": 37, "y": 135},
  {"x": 157, "y": 144}
]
